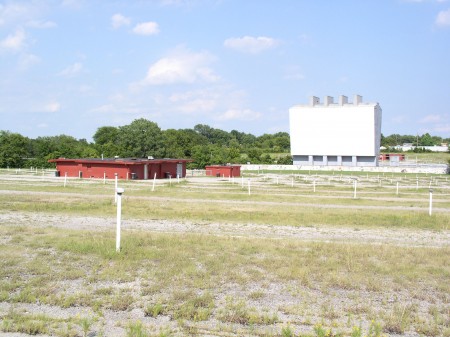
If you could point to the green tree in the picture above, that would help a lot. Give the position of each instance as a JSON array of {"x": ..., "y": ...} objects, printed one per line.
[
  {"x": 285, "y": 160},
  {"x": 254, "y": 155},
  {"x": 140, "y": 139},
  {"x": 13, "y": 149},
  {"x": 105, "y": 135},
  {"x": 426, "y": 140},
  {"x": 179, "y": 143}
]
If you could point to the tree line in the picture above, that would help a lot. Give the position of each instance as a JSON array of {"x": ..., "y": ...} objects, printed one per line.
[{"x": 143, "y": 138}]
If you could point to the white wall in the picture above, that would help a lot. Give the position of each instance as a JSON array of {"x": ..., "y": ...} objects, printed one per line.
[{"x": 335, "y": 130}]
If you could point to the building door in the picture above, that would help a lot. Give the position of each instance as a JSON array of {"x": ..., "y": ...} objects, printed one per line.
[{"x": 180, "y": 170}]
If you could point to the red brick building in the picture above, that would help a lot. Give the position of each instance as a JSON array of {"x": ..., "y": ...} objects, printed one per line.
[
  {"x": 223, "y": 170},
  {"x": 126, "y": 168}
]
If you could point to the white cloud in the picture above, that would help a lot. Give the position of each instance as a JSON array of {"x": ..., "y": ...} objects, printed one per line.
[
  {"x": 181, "y": 66},
  {"x": 293, "y": 73},
  {"x": 250, "y": 44},
  {"x": 423, "y": 1},
  {"x": 399, "y": 119},
  {"x": 104, "y": 108},
  {"x": 52, "y": 107},
  {"x": 12, "y": 12},
  {"x": 146, "y": 28},
  {"x": 442, "y": 128},
  {"x": 72, "y": 70},
  {"x": 74, "y": 4},
  {"x": 196, "y": 101},
  {"x": 431, "y": 119},
  {"x": 239, "y": 114},
  {"x": 443, "y": 18},
  {"x": 41, "y": 24},
  {"x": 13, "y": 42},
  {"x": 28, "y": 60},
  {"x": 118, "y": 20}
]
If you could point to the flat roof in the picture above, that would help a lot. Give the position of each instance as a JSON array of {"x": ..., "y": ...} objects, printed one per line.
[{"x": 119, "y": 161}]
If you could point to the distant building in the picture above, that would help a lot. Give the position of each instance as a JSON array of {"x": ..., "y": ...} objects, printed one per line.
[
  {"x": 223, "y": 170},
  {"x": 411, "y": 147},
  {"x": 125, "y": 168},
  {"x": 335, "y": 134}
]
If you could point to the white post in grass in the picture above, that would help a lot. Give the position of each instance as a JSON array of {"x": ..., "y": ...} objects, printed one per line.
[
  {"x": 355, "y": 182},
  {"x": 397, "y": 187},
  {"x": 119, "y": 192},
  {"x": 277, "y": 180},
  {"x": 430, "y": 211},
  {"x": 314, "y": 186},
  {"x": 292, "y": 182},
  {"x": 154, "y": 180},
  {"x": 242, "y": 181},
  {"x": 65, "y": 179},
  {"x": 104, "y": 178},
  {"x": 417, "y": 184},
  {"x": 178, "y": 178},
  {"x": 248, "y": 183},
  {"x": 115, "y": 188}
]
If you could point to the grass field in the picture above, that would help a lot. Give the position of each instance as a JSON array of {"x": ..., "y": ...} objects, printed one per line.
[{"x": 69, "y": 281}]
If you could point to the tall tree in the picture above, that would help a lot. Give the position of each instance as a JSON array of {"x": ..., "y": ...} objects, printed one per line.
[
  {"x": 140, "y": 139},
  {"x": 13, "y": 149},
  {"x": 106, "y": 134}
]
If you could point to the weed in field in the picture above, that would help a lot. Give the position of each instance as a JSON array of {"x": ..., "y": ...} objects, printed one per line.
[
  {"x": 256, "y": 295},
  {"x": 375, "y": 329},
  {"x": 85, "y": 324},
  {"x": 66, "y": 330},
  {"x": 399, "y": 319},
  {"x": 136, "y": 329},
  {"x": 121, "y": 302},
  {"x": 234, "y": 312},
  {"x": 320, "y": 331},
  {"x": 154, "y": 310},
  {"x": 27, "y": 324},
  {"x": 195, "y": 309},
  {"x": 356, "y": 331},
  {"x": 287, "y": 332},
  {"x": 430, "y": 329}
]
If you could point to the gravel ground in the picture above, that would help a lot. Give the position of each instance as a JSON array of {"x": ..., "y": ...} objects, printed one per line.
[
  {"x": 400, "y": 237},
  {"x": 112, "y": 321}
]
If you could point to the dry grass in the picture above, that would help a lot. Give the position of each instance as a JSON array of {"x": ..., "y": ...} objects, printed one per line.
[
  {"x": 203, "y": 284},
  {"x": 209, "y": 277}
]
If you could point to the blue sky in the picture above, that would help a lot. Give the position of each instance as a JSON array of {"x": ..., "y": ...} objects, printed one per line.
[{"x": 71, "y": 66}]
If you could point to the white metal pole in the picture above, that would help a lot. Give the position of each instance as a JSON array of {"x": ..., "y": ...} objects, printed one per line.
[
  {"x": 292, "y": 182},
  {"x": 104, "y": 178},
  {"x": 178, "y": 178},
  {"x": 65, "y": 179},
  {"x": 115, "y": 188},
  {"x": 248, "y": 183},
  {"x": 242, "y": 181},
  {"x": 314, "y": 186},
  {"x": 354, "y": 191},
  {"x": 154, "y": 180},
  {"x": 119, "y": 217},
  {"x": 431, "y": 202},
  {"x": 417, "y": 184},
  {"x": 397, "y": 187}
]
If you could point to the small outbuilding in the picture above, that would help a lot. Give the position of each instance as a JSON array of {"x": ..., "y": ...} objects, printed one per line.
[
  {"x": 126, "y": 168},
  {"x": 223, "y": 170}
]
